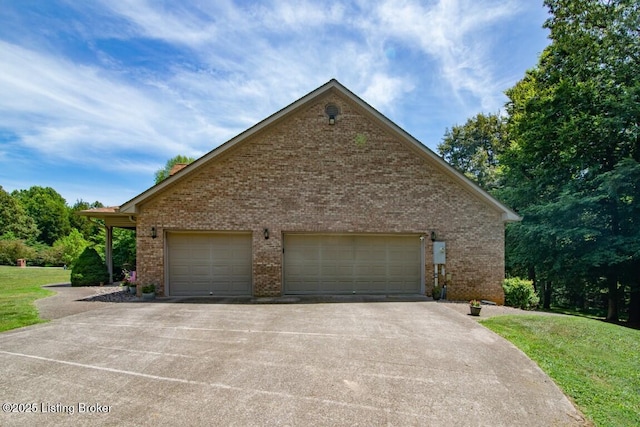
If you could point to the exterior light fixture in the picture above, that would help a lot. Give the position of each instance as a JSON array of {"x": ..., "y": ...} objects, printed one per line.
[
  {"x": 332, "y": 120},
  {"x": 434, "y": 237},
  {"x": 154, "y": 232},
  {"x": 266, "y": 233}
]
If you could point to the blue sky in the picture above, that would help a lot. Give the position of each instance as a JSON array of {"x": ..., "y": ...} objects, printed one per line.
[{"x": 95, "y": 96}]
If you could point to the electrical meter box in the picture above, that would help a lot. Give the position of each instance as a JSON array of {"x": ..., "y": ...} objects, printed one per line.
[{"x": 439, "y": 253}]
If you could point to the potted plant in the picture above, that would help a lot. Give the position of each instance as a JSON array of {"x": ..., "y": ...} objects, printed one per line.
[
  {"x": 133, "y": 288},
  {"x": 475, "y": 307},
  {"x": 128, "y": 283},
  {"x": 437, "y": 291},
  {"x": 149, "y": 292}
]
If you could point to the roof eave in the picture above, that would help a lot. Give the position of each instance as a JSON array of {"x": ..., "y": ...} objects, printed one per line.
[{"x": 114, "y": 218}]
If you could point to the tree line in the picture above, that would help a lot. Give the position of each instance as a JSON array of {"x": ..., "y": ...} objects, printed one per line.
[
  {"x": 566, "y": 156},
  {"x": 38, "y": 225}
]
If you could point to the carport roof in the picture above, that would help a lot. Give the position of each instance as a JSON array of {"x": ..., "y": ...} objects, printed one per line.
[
  {"x": 508, "y": 215},
  {"x": 111, "y": 216}
]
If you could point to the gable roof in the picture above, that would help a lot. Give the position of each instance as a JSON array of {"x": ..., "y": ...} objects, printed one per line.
[{"x": 131, "y": 207}]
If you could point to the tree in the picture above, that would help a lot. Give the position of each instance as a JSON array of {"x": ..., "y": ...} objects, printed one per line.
[
  {"x": 70, "y": 247},
  {"x": 89, "y": 269},
  {"x": 164, "y": 173},
  {"x": 124, "y": 250},
  {"x": 475, "y": 147},
  {"x": 575, "y": 135},
  {"x": 49, "y": 211},
  {"x": 88, "y": 228},
  {"x": 14, "y": 221}
]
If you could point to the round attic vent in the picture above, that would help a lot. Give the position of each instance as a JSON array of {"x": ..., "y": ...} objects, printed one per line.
[{"x": 332, "y": 110}]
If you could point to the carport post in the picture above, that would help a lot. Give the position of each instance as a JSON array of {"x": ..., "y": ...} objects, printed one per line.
[{"x": 108, "y": 252}]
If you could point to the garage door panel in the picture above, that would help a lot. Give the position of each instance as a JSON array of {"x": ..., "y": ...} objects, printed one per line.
[
  {"x": 369, "y": 272},
  {"x": 180, "y": 270},
  {"x": 331, "y": 286},
  {"x": 352, "y": 263},
  {"x": 338, "y": 256},
  {"x": 298, "y": 271},
  {"x": 336, "y": 270},
  {"x": 189, "y": 288},
  {"x": 209, "y": 263},
  {"x": 201, "y": 257},
  {"x": 222, "y": 270},
  {"x": 200, "y": 270},
  {"x": 302, "y": 286},
  {"x": 240, "y": 271},
  {"x": 406, "y": 287},
  {"x": 371, "y": 287}
]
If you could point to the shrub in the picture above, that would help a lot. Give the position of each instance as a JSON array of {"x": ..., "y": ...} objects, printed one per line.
[
  {"x": 520, "y": 293},
  {"x": 46, "y": 256},
  {"x": 149, "y": 289},
  {"x": 89, "y": 269},
  {"x": 11, "y": 250}
]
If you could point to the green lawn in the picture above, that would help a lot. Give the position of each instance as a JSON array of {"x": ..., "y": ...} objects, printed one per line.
[
  {"x": 19, "y": 288},
  {"x": 596, "y": 364}
]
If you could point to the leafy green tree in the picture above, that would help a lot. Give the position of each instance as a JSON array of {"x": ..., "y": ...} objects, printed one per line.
[
  {"x": 572, "y": 166},
  {"x": 70, "y": 247},
  {"x": 475, "y": 147},
  {"x": 124, "y": 250},
  {"x": 49, "y": 211},
  {"x": 88, "y": 228},
  {"x": 164, "y": 173},
  {"x": 14, "y": 221}
]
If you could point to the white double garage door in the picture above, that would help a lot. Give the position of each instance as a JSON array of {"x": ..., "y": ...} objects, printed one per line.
[{"x": 221, "y": 264}]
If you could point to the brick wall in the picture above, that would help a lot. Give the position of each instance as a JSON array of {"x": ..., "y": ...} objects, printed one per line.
[{"x": 302, "y": 174}]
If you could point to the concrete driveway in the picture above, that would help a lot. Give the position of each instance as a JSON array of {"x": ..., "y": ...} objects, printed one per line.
[{"x": 197, "y": 363}]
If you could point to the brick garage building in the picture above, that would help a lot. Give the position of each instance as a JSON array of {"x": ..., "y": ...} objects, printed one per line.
[{"x": 326, "y": 196}]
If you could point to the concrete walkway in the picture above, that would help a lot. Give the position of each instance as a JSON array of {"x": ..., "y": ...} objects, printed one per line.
[{"x": 197, "y": 363}]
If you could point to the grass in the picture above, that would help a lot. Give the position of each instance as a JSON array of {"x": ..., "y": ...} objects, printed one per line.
[
  {"x": 19, "y": 288},
  {"x": 596, "y": 364}
]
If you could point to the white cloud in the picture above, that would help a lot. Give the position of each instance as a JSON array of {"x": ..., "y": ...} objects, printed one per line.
[
  {"x": 230, "y": 66},
  {"x": 300, "y": 15},
  {"x": 383, "y": 90},
  {"x": 175, "y": 23},
  {"x": 266, "y": 53},
  {"x": 453, "y": 32},
  {"x": 73, "y": 111}
]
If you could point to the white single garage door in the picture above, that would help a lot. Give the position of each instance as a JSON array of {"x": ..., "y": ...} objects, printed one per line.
[
  {"x": 347, "y": 264},
  {"x": 209, "y": 263}
]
